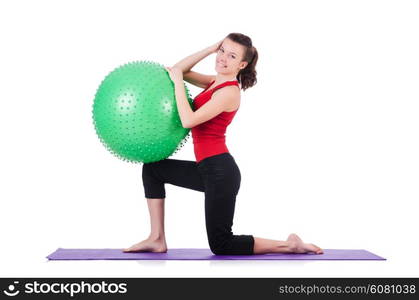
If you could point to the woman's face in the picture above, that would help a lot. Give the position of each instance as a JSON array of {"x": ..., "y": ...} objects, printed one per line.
[{"x": 229, "y": 58}]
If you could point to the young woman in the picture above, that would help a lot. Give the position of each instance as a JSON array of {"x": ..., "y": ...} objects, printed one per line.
[{"x": 215, "y": 171}]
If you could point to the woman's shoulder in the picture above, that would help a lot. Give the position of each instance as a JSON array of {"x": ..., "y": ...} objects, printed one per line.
[
  {"x": 230, "y": 89},
  {"x": 231, "y": 95}
]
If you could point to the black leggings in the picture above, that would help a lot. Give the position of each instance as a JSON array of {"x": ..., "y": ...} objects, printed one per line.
[{"x": 219, "y": 177}]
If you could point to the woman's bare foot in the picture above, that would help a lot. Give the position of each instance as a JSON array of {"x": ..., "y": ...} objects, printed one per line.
[
  {"x": 298, "y": 246},
  {"x": 149, "y": 245}
]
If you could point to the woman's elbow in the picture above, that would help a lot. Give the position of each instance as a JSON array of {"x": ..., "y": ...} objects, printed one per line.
[
  {"x": 187, "y": 126},
  {"x": 179, "y": 66}
]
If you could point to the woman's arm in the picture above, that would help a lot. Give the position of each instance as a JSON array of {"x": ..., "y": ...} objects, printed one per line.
[
  {"x": 188, "y": 62},
  {"x": 220, "y": 101}
]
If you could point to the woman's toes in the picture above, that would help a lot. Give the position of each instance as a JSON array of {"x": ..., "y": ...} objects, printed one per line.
[
  {"x": 314, "y": 248},
  {"x": 318, "y": 250},
  {"x": 127, "y": 249},
  {"x": 133, "y": 248}
]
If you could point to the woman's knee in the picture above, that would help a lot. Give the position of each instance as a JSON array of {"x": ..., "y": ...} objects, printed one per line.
[
  {"x": 150, "y": 173},
  {"x": 219, "y": 251},
  {"x": 149, "y": 170},
  {"x": 231, "y": 244},
  {"x": 220, "y": 244},
  {"x": 153, "y": 186}
]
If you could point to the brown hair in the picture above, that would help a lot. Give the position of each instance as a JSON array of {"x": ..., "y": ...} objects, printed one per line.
[{"x": 247, "y": 76}]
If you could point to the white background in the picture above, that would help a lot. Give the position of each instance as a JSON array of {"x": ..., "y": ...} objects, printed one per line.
[{"x": 327, "y": 141}]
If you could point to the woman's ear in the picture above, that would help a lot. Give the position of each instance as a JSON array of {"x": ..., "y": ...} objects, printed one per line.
[{"x": 243, "y": 65}]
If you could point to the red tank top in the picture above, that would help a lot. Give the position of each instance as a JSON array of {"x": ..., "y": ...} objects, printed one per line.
[{"x": 209, "y": 137}]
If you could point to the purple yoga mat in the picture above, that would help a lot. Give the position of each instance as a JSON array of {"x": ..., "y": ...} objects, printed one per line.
[{"x": 205, "y": 254}]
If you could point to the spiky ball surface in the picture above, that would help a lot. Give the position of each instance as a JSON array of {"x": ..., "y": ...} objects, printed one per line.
[{"x": 135, "y": 113}]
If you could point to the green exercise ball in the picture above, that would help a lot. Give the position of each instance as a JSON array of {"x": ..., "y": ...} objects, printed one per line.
[{"x": 135, "y": 113}]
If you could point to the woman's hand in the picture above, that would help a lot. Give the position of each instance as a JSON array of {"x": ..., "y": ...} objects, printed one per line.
[
  {"x": 214, "y": 48},
  {"x": 175, "y": 73}
]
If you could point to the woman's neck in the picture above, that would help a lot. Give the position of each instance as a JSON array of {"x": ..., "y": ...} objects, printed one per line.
[{"x": 220, "y": 78}]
